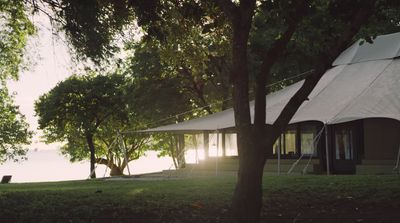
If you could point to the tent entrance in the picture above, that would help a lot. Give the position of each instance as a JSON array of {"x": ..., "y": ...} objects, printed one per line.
[{"x": 346, "y": 146}]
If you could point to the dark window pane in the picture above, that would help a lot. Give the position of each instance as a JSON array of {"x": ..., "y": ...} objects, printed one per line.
[
  {"x": 307, "y": 137},
  {"x": 344, "y": 144}
]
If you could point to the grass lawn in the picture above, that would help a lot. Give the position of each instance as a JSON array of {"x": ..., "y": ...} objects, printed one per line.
[{"x": 286, "y": 199}]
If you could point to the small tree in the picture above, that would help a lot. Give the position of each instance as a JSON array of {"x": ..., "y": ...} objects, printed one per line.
[
  {"x": 76, "y": 108},
  {"x": 328, "y": 26},
  {"x": 116, "y": 149}
]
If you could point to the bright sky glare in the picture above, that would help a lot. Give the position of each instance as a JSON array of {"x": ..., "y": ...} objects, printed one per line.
[{"x": 53, "y": 64}]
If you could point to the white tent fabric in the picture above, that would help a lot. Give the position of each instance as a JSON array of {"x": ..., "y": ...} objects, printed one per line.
[
  {"x": 364, "y": 83},
  {"x": 219, "y": 120},
  {"x": 383, "y": 47},
  {"x": 380, "y": 99},
  {"x": 344, "y": 89}
]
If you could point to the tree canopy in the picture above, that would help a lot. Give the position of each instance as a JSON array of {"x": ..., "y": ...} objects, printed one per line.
[
  {"x": 15, "y": 28},
  {"x": 264, "y": 36},
  {"x": 75, "y": 109},
  {"x": 14, "y": 131}
]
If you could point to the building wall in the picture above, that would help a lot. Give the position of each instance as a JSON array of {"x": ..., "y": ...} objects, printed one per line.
[{"x": 381, "y": 139}]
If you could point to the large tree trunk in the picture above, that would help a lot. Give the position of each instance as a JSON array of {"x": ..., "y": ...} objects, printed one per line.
[
  {"x": 255, "y": 141},
  {"x": 247, "y": 199},
  {"x": 116, "y": 171},
  {"x": 89, "y": 140}
]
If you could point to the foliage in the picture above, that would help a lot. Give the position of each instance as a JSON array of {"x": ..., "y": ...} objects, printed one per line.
[
  {"x": 172, "y": 145},
  {"x": 196, "y": 49},
  {"x": 80, "y": 104},
  {"x": 14, "y": 131},
  {"x": 182, "y": 73},
  {"x": 206, "y": 199},
  {"x": 323, "y": 25},
  {"x": 75, "y": 110},
  {"x": 15, "y": 28},
  {"x": 192, "y": 40},
  {"x": 92, "y": 32},
  {"x": 115, "y": 149},
  {"x": 157, "y": 95},
  {"x": 171, "y": 91},
  {"x": 320, "y": 30}
]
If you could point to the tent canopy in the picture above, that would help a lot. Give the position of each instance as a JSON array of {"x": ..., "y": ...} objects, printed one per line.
[{"x": 363, "y": 83}]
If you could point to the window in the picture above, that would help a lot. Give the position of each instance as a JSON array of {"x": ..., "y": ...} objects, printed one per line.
[
  {"x": 231, "y": 144},
  {"x": 214, "y": 149},
  {"x": 286, "y": 143},
  {"x": 344, "y": 144},
  {"x": 307, "y": 138},
  {"x": 194, "y": 144},
  {"x": 290, "y": 142},
  {"x": 298, "y": 139}
]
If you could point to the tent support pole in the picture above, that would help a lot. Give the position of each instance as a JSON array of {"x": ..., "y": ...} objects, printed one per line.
[
  {"x": 216, "y": 158},
  {"x": 397, "y": 162},
  {"x": 125, "y": 153},
  {"x": 279, "y": 156},
  {"x": 223, "y": 143},
  {"x": 327, "y": 150}
]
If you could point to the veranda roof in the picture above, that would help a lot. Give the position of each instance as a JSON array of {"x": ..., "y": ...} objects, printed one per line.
[{"x": 363, "y": 83}]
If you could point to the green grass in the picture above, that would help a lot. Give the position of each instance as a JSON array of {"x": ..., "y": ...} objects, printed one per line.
[{"x": 307, "y": 198}]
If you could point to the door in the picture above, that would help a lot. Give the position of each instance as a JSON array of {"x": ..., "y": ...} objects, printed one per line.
[{"x": 345, "y": 146}]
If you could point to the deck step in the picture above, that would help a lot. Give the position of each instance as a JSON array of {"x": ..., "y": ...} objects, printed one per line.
[
  {"x": 376, "y": 167},
  {"x": 231, "y": 168}
]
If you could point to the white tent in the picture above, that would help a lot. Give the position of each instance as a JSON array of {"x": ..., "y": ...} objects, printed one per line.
[{"x": 363, "y": 83}]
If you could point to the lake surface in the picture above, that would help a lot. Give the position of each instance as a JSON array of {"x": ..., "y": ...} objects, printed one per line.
[{"x": 51, "y": 165}]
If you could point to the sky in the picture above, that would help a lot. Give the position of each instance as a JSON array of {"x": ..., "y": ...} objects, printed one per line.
[{"x": 52, "y": 64}]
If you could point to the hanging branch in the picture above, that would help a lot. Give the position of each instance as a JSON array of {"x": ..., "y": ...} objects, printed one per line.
[{"x": 360, "y": 18}]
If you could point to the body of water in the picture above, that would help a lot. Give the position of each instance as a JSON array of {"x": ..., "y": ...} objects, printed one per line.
[{"x": 51, "y": 165}]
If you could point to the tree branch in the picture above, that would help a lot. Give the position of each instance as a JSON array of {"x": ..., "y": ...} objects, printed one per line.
[
  {"x": 103, "y": 161},
  {"x": 229, "y": 8},
  {"x": 360, "y": 18},
  {"x": 269, "y": 60},
  {"x": 241, "y": 26},
  {"x": 197, "y": 88}
]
